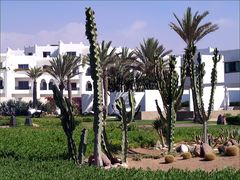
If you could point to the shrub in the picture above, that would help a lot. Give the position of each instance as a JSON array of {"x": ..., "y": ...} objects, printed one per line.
[
  {"x": 15, "y": 107},
  {"x": 234, "y": 103},
  {"x": 169, "y": 158},
  {"x": 209, "y": 157},
  {"x": 232, "y": 151},
  {"x": 137, "y": 157},
  {"x": 185, "y": 104},
  {"x": 187, "y": 155},
  {"x": 233, "y": 120}
]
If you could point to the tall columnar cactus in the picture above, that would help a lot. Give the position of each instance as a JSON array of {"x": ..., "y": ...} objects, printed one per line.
[
  {"x": 82, "y": 146},
  {"x": 189, "y": 54},
  {"x": 67, "y": 121},
  {"x": 91, "y": 33},
  {"x": 200, "y": 72},
  {"x": 171, "y": 95},
  {"x": 126, "y": 118}
]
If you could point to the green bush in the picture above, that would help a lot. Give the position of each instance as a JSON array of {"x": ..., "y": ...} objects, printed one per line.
[
  {"x": 234, "y": 103},
  {"x": 233, "y": 120},
  {"x": 185, "y": 104}
]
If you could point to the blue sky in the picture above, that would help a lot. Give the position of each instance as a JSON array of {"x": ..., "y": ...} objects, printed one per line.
[{"x": 125, "y": 23}]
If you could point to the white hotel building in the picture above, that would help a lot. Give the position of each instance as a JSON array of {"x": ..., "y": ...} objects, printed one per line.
[{"x": 15, "y": 84}]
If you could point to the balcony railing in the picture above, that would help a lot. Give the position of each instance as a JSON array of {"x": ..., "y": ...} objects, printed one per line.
[{"x": 22, "y": 88}]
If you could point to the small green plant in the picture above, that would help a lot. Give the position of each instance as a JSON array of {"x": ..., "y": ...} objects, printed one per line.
[
  {"x": 209, "y": 157},
  {"x": 232, "y": 151},
  {"x": 169, "y": 158},
  {"x": 137, "y": 157}
]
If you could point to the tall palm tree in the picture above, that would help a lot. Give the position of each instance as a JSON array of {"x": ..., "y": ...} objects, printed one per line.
[
  {"x": 63, "y": 68},
  {"x": 191, "y": 31},
  {"x": 150, "y": 53},
  {"x": 107, "y": 57},
  {"x": 123, "y": 69},
  {"x": 34, "y": 73},
  {"x": 73, "y": 64}
]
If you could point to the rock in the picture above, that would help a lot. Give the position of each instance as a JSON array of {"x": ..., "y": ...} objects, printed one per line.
[
  {"x": 106, "y": 161},
  {"x": 222, "y": 149},
  {"x": 197, "y": 150},
  {"x": 124, "y": 165},
  {"x": 234, "y": 142},
  {"x": 158, "y": 145},
  {"x": 206, "y": 149},
  {"x": 182, "y": 148},
  {"x": 228, "y": 143},
  {"x": 116, "y": 160}
]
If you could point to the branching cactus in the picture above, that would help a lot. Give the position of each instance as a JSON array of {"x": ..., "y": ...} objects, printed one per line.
[
  {"x": 126, "y": 118},
  {"x": 91, "y": 33},
  {"x": 67, "y": 121},
  {"x": 200, "y": 72},
  {"x": 171, "y": 95},
  {"x": 82, "y": 146}
]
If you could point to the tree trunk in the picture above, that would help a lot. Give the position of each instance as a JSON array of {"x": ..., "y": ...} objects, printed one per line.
[
  {"x": 69, "y": 87},
  {"x": 61, "y": 87},
  {"x": 34, "y": 94}
]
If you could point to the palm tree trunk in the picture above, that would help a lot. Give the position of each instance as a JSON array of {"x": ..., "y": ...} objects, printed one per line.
[
  {"x": 61, "y": 87},
  {"x": 69, "y": 87},
  {"x": 34, "y": 94}
]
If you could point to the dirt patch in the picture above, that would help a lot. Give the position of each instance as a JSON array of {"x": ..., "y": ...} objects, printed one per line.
[{"x": 190, "y": 164}]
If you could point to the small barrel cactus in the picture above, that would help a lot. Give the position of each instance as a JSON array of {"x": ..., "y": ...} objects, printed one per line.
[
  {"x": 187, "y": 155},
  {"x": 232, "y": 151},
  {"x": 169, "y": 158},
  {"x": 209, "y": 156}
]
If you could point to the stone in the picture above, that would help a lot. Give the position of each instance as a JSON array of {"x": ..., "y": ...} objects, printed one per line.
[
  {"x": 105, "y": 160},
  {"x": 197, "y": 150},
  {"x": 228, "y": 143},
  {"x": 234, "y": 142},
  {"x": 184, "y": 148},
  {"x": 158, "y": 145},
  {"x": 206, "y": 149}
]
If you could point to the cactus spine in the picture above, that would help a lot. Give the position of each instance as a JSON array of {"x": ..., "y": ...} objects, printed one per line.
[
  {"x": 126, "y": 118},
  {"x": 171, "y": 95},
  {"x": 67, "y": 121},
  {"x": 82, "y": 146},
  {"x": 91, "y": 33}
]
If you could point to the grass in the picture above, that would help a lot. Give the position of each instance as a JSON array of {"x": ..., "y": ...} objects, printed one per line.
[{"x": 41, "y": 152}]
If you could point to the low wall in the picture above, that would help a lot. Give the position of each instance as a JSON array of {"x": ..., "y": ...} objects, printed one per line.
[{"x": 183, "y": 115}]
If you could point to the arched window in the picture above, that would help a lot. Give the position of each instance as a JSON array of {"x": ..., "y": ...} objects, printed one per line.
[
  {"x": 89, "y": 86},
  {"x": 88, "y": 72},
  {"x": 50, "y": 84},
  {"x": 43, "y": 85},
  {"x": 1, "y": 83}
]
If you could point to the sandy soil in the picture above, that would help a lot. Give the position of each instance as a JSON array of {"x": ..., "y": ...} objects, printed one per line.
[{"x": 191, "y": 164}]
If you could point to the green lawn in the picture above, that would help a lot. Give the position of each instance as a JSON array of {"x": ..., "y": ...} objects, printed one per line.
[{"x": 41, "y": 152}]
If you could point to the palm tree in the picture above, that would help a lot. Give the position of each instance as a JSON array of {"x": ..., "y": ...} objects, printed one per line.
[
  {"x": 107, "y": 58},
  {"x": 73, "y": 64},
  {"x": 34, "y": 73},
  {"x": 150, "y": 53},
  {"x": 120, "y": 71},
  {"x": 63, "y": 68},
  {"x": 191, "y": 31}
]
